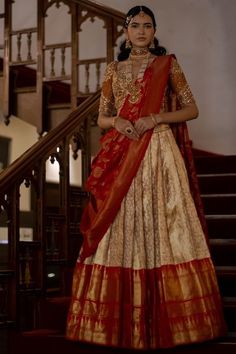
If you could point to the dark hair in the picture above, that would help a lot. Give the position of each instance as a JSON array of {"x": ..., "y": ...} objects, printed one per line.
[{"x": 134, "y": 11}]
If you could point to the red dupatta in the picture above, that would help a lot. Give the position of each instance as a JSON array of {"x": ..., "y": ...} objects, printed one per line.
[{"x": 118, "y": 161}]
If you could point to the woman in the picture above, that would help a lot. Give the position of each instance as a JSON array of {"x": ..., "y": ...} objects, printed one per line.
[{"x": 144, "y": 278}]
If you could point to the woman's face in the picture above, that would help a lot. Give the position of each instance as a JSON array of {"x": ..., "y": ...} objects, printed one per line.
[{"x": 140, "y": 30}]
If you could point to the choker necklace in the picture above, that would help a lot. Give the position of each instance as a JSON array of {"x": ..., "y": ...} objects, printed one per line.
[{"x": 138, "y": 52}]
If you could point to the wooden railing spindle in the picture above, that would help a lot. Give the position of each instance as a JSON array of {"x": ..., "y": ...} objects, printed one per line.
[
  {"x": 19, "y": 35},
  {"x": 29, "y": 43},
  {"x": 52, "y": 61},
  {"x": 63, "y": 57}
]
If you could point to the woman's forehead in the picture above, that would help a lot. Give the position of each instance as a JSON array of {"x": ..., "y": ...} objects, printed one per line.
[{"x": 141, "y": 18}]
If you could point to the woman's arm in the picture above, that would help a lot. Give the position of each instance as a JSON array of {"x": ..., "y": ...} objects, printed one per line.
[
  {"x": 188, "y": 112},
  {"x": 106, "y": 120},
  {"x": 188, "y": 108}
]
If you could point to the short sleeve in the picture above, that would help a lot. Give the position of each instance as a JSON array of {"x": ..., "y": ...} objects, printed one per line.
[
  {"x": 107, "y": 101},
  {"x": 179, "y": 84}
]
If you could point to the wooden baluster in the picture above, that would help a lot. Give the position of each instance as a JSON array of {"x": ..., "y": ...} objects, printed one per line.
[
  {"x": 52, "y": 58},
  {"x": 87, "y": 78},
  {"x": 49, "y": 240},
  {"x": 29, "y": 42},
  {"x": 53, "y": 240},
  {"x": 29, "y": 268},
  {"x": 3, "y": 299},
  {"x": 98, "y": 74},
  {"x": 56, "y": 240},
  {"x": 22, "y": 267},
  {"x": 63, "y": 49},
  {"x": 19, "y": 47}
]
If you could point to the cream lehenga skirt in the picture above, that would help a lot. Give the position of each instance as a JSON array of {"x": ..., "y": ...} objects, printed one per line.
[{"x": 151, "y": 282}]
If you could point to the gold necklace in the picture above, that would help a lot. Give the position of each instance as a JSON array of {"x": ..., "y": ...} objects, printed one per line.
[
  {"x": 135, "y": 52},
  {"x": 134, "y": 84},
  {"x": 144, "y": 64}
]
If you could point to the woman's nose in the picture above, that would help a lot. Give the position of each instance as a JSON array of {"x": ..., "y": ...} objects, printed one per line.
[{"x": 141, "y": 29}]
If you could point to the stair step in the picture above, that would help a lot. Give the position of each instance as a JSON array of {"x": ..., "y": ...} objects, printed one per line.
[
  {"x": 223, "y": 251},
  {"x": 215, "y": 164},
  {"x": 229, "y": 304},
  {"x": 217, "y": 183},
  {"x": 53, "y": 313},
  {"x": 39, "y": 342},
  {"x": 222, "y": 204},
  {"x": 221, "y": 226},
  {"x": 226, "y": 276}
]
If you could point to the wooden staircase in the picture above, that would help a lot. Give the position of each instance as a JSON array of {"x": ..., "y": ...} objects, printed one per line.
[
  {"x": 217, "y": 179},
  {"x": 33, "y": 309}
]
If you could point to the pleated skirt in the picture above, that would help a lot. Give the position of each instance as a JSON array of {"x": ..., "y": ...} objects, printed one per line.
[{"x": 151, "y": 283}]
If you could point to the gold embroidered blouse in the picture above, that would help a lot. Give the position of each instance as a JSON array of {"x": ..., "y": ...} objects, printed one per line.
[{"x": 116, "y": 86}]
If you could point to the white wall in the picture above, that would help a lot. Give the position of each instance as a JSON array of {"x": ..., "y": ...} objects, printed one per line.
[
  {"x": 22, "y": 136},
  {"x": 202, "y": 35}
]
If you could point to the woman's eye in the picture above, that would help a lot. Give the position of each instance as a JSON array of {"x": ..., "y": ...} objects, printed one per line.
[{"x": 134, "y": 25}]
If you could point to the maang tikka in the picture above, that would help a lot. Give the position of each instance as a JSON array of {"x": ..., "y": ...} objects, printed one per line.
[{"x": 142, "y": 13}]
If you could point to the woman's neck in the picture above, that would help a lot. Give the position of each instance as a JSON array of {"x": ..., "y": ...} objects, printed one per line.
[{"x": 137, "y": 52}]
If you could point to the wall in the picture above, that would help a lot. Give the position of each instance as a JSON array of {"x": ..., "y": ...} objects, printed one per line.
[
  {"x": 22, "y": 136},
  {"x": 202, "y": 35}
]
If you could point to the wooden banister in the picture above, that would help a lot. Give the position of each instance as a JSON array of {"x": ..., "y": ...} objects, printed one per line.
[
  {"x": 26, "y": 263},
  {"x": 54, "y": 224},
  {"x": 47, "y": 143}
]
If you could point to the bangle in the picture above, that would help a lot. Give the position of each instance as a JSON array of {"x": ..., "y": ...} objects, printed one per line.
[
  {"x": 113, "y": 122},
  {"x": 153, "y": 118}
]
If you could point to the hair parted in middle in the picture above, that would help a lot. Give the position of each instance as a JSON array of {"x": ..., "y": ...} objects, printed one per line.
[{"x": 155, "y": 48}]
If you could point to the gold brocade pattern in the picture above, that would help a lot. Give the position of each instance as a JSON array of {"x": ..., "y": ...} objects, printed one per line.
[
  {"x": 179, "y": 84},
  {"x": 180, "y": 304},
  {"x": 157, "y": 223},
  {"x": 117, "y": 86}
]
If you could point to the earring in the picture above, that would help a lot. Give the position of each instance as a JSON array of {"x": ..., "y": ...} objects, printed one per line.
[
  {"x": 152, "y": 44},
  {"x": 128, "y": 44}
]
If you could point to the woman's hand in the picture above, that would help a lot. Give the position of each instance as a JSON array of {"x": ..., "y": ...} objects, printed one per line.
[
  {"x": 126, "y": 128},
  {"x": 143, "y": 124}
]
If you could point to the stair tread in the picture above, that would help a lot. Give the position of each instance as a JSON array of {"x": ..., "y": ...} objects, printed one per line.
[
  {"x": 225, "y": 268},
  {"x": 229, "y": 300},
  {"x": 221, "y": 216},
  {"x": 209, "y": 175},
  {"x": 218, "y": 195},
  {"x": 228, "y": 339},
  {"x": 222, "y": 241},
  {"x": 215, "y": 164}
]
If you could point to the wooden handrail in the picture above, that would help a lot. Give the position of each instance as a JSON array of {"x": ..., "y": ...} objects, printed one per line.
[
  {"x": 102, "y": 9},
  {"x": 24, "y": 31},
  {"x": 43, "y": 147}
]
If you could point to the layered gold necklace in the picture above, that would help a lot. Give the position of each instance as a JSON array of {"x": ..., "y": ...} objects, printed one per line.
[
  {"x": 142, "y": 55},
  {"x": 136, "y": 54}
]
